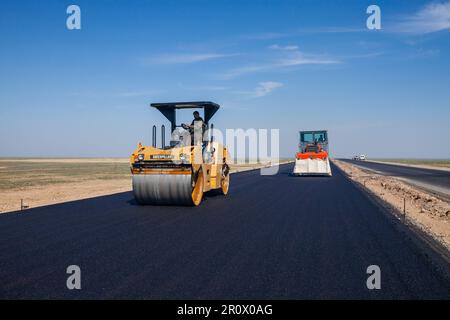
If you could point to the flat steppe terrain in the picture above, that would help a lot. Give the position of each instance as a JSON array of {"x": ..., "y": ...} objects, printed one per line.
[{"x": 42, "y": 181}]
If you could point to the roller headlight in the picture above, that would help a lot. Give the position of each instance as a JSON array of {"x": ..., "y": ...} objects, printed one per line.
[
  {"x": 140, "y": 157},
  {"x": 183, "y": 157}
]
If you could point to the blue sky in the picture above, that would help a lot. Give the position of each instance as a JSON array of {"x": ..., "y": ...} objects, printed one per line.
[{"x": 291, "y": 65}]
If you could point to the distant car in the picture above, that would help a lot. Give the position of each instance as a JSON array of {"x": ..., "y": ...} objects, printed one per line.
[{"x": 359, "y": 157}]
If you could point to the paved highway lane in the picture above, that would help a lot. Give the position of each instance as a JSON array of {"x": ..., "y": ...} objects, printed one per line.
[
  {"x": 437, "y": 181},
  {"x": 271, "y": 237}
]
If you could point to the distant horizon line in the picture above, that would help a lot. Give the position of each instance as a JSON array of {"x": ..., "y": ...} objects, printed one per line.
[{"x": 239, "y": 159}]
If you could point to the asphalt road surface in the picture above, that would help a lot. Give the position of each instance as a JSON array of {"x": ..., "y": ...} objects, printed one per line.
[
  {"x": 271, "y": 237},
  {"x": 437, "y": 181}
]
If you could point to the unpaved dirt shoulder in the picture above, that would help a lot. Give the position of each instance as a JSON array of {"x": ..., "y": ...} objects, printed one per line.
[
  {"x": 425, "y": 211},
  {"x": 37, "y": 196}
]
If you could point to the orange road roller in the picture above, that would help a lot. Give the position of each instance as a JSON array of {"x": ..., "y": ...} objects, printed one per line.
[{"x": 313, "y": 158}]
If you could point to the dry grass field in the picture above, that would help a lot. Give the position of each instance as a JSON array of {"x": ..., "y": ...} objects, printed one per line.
[
  {"x": 39, "y": 182},
  {"x": 441, "y": 163},
  {"x": 24, "y": 173}
]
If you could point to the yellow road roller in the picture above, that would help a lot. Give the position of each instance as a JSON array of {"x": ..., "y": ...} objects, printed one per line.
[{"x": 192, "y": 164}]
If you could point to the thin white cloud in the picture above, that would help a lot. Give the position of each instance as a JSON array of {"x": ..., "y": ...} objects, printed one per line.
[
  {"x": 262, "y": 89},
  {"x": 236, "y": 72},
  {"x": 293, "y": 58},
  {"x": 298, "y": 58},
  {"x": 431, "y": 18},
  {"x": 278, "y": 47},
  {"x": 185, "y": 58},
  {"x": 293, "y": 33}
]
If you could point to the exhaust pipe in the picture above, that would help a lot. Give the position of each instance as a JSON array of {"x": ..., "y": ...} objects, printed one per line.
[
  {"x": 212, "y": 132},
  {"x": 154, "y": 137}
]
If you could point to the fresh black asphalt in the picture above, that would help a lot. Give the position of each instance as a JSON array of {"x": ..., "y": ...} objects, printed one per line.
[
  {"x": 272, "y": 237},
  {"x": 432, "y": 177}
]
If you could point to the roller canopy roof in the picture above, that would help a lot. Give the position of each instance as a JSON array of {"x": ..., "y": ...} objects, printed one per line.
[{"x": 168, "y": 109}]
